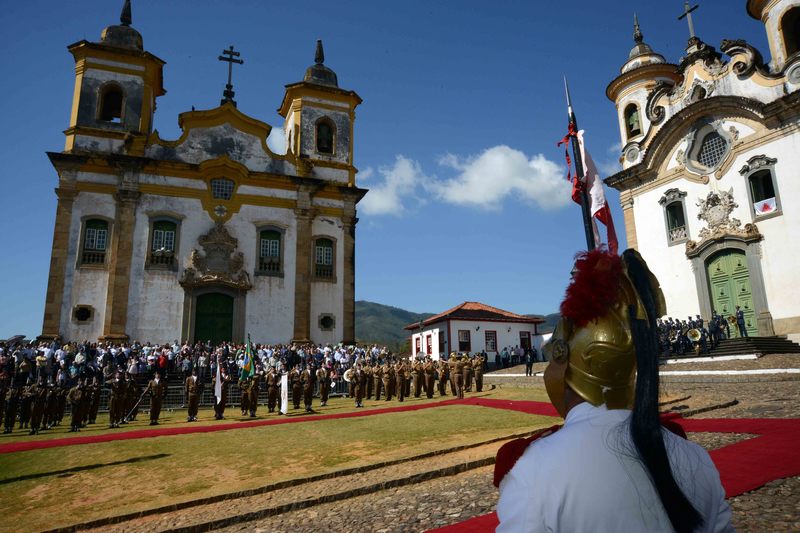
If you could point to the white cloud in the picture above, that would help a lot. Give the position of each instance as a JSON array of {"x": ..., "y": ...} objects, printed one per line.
[
  {"x": 483, "y": 181},
  {"x": 500, "y": 172},
  {"x": 400, "y": 182},
  {"x": 277, "y": 140}
]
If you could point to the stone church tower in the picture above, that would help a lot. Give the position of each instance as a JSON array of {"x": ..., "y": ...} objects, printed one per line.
[
  {"x": 208, "y": 236},
  {"x": 709, "y": 188}
]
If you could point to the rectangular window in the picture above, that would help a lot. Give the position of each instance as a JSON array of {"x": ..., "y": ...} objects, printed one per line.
[
  {"x": 491, "y": 341},
  {"x": 95, "y": 239},
  {"x": 162, "y": 243},
  {"x": 429, "y": 345},
  {"x": 441, "y": 342},
  {"x": 323, "y": 258},
  {"x": 417, "y": 345},
  {"x": 464, "y": 344}
]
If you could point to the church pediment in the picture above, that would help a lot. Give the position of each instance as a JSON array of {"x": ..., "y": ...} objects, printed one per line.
[{"x": 222, "y": 131}]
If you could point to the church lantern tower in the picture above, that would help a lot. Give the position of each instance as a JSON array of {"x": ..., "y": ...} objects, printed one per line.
[
  {"x": 116, "y": 86},
  {"x": 319, "y": 119},
  {"x": 782, "y": 21}
]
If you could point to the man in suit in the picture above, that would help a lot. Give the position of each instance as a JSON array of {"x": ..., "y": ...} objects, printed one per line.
[{"x": 740, "y": 322}]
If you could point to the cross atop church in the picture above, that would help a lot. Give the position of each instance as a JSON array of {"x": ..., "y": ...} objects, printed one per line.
[
  {"x": 229, "y": 56},
  {"x": 687, "y": 14}
]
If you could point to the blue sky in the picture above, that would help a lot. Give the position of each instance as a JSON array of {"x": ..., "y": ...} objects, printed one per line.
[{"x": 463, "y": 105}]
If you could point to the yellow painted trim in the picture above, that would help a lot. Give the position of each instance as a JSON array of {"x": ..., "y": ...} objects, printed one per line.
[
  {"x": 113, "y": 68},
  {"x": 100, "y": 188},
  {"x": 96, "y": 132},
  {"x": 297, "y": 92}
]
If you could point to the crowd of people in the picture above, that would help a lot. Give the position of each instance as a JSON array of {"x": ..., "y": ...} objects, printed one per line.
[
  {"x": 695, "y": 335},
  {"x": 39, "y": 381}
]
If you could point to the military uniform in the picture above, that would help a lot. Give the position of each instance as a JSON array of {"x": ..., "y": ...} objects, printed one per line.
[
  {"x": 359, "y": 380},
  {"x": 443, "y": 378},
  {"x": 252, "y": 392},
  {"x": 75, "y": 397},
  {"x": 416, "y": 377},
  {"x": 294, "y": 381},
  {"x": 244, "y": 387},
  {"x": 428, "y": 371},
  {"x": 193, "y": 389},
  {"x": 477, "y": 367},
  {"x": 116, "y": 402},
  {"x": 467, "y": 372},
  {"x": 451, "y": 372},
  {"x": 458, "y": 378},
  {"x": 93, "y": 391},
  {"x": 272, "y": 380},
  {"x": 11, "y": 404},
  {"x": 387, "y": 376},
  {"x": 307, "y": 381},
  {"x": 25, "y": 404},
  {"x": 400, "y": 380},
  {"x": 377, "y": 381},
  {"x": 132, "y": 399},
  {"x": 39, "y": 404},
  {"x": 324, "y": 384},
  {"x": 368, "y": 378},
  {"x": 158, "y": 391}
]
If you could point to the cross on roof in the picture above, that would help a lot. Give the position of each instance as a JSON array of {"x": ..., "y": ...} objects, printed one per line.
[
  {"x": 687, "y": 14},
  {"x": 229, "y": 56}
]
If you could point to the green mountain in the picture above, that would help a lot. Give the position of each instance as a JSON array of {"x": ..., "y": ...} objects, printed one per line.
[{"x": 383, "y": 324}]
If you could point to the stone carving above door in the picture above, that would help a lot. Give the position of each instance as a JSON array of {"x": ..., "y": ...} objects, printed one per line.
[
  {"x": 716, "y": 211},
  {"x": 219, "y": 263}
]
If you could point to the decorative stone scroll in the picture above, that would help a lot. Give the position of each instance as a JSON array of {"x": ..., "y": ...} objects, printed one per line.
[
  {"x": 219, "y": 264},
  {"x": 715, "y": 210}
]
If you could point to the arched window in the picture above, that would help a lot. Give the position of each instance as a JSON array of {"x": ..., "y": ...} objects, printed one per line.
[
  {"x": 765, "y": 201},
  {"x": 325, "y": 136},
  {"x": 790, "y": 29},
  {"x": 323, "y": 258},
  {"x": 222, "y": 188},
  {"x": 111, "y": 104},
  {"x": 95, "y": 242},
  {"x": 162, "y": 243},
  {"x": 675, "y": 216},
  {"x": 633, "y": 125},
  {"x": 269, "y": 252}
]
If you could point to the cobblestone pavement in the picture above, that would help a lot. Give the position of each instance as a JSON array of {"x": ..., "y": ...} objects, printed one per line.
[
  {"x": 451, "y": 499},
  {"x": 783, "y": 360}
]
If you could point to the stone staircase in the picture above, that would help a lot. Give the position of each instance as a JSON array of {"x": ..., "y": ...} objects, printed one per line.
[{"x": 751, "y": 345}]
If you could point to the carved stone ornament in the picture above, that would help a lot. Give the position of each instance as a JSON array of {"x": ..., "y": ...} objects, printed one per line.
[
  {"x": 672, "y": 195},
  {"x": 704, "y": 87},
  {"x": 715, "y": 210},
  {"x": 219, "y": 264},
  {"x": 757, "y": 162},
  {"x": 654, "y": 112}
]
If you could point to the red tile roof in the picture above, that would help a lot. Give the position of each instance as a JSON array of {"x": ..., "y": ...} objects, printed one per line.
[{"x": 477, "y": 311}]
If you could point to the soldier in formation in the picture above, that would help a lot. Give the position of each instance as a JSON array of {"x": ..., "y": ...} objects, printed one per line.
[
  {"x": 193, "y": 388},
  {"x": 158, "y": 391}
]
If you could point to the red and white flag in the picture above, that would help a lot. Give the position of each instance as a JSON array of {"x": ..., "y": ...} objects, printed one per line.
[{"x": 597, "y": 199}]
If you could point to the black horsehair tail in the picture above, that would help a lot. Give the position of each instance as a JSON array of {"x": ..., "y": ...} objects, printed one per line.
[{"x": 645, "y": 425}]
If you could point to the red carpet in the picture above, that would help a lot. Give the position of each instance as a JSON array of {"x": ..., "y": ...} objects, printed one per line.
[
  {"x": 538, "y": 408},
  {"x": 743, "y": 466}
]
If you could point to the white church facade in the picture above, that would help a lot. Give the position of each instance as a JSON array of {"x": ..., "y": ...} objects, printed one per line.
[
  {"x": 210, "y": 236},
  {"x": 709, "y": 187}
]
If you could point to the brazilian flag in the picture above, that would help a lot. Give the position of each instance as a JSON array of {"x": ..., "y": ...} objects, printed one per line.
[{"x": 249, "y": 366}]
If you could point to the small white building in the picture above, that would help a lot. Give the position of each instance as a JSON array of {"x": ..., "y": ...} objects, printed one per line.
[{"x": 473, "y": 327}]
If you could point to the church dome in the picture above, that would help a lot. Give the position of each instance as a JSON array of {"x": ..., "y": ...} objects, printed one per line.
[
  {"x": 641, "y": 54},
  {"x": 122, "y": 35},
  {"x": 318, "y": 73}
]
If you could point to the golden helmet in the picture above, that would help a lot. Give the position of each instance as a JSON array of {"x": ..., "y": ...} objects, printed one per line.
[{"x": 592, "y": 349}]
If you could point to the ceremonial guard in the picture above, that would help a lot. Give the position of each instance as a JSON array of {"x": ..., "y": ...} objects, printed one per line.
[
  {"x": 451, "y": 372},
  {"x": 116, "y": 402},
  {"x": 443, "y": 374},
  {"x": 387, "y": 375},
  {"x": 11, "y": 404},
  {"x": 358, "y": 379},
  {"x": 740, "y": 322},
  {"x": 428, "y": 370},
  {"x": 377, "y": 380},
  {"x": 400, "y": 379},
  {"x": 93, "y": 392},
  {"x": 193, "y": 389},
  {"x": 458, "y": 377},
  {"x": 244, "y": 388},
  {"x": 61, "y": 406},
  {"x": 307, "y": 381},
  {"x": 75, "y": 397},
  {"x": 323, "y": 384},
  {"x": 273, "y": 380},
  {"x": 51, "y": 409},
  {"x": 125, "y": 400},
  {"x": 467, "y": 384},
  {"x": 416, "y": 377},
  {"x": 26, "y": 404},
  {"x": 612, "y": 466},
  {"x": 253, "y": 390},
  {"x": 219, "y": 406},
  {"x": 294, "y": 383},
  {"x": 368, "y": 379},
  {"x": 158, "y": 391},
  {"x": 477, "y": 368},
  {"x": 39, "y": 405},
  {"x": 132, "y": 409}
]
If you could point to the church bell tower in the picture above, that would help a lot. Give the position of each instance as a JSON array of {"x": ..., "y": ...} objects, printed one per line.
[{"x": 116, "y": 86}]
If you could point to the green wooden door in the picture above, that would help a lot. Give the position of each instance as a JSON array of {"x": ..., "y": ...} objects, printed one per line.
[
  {"x": 729, "y": 283},
  {"x": 214, "y": 318}
]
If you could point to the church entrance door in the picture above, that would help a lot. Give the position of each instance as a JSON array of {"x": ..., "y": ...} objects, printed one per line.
[
  {"x": 214, "y": 318},
  {"x": 729, "y": 283}
]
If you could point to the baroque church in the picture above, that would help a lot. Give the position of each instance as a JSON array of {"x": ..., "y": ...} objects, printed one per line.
[
  {"x": 709, "y": 187},
  {"x": 210, "y": 236}
]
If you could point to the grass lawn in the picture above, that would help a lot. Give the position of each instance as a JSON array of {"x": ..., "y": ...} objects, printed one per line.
[{"x": 62, "y": 486}]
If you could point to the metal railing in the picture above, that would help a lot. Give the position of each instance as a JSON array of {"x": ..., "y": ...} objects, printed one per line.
[{"x": 677, "y": 234}]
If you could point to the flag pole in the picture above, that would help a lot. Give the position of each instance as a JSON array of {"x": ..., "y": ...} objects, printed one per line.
[{"x": 579, "y": 170}]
